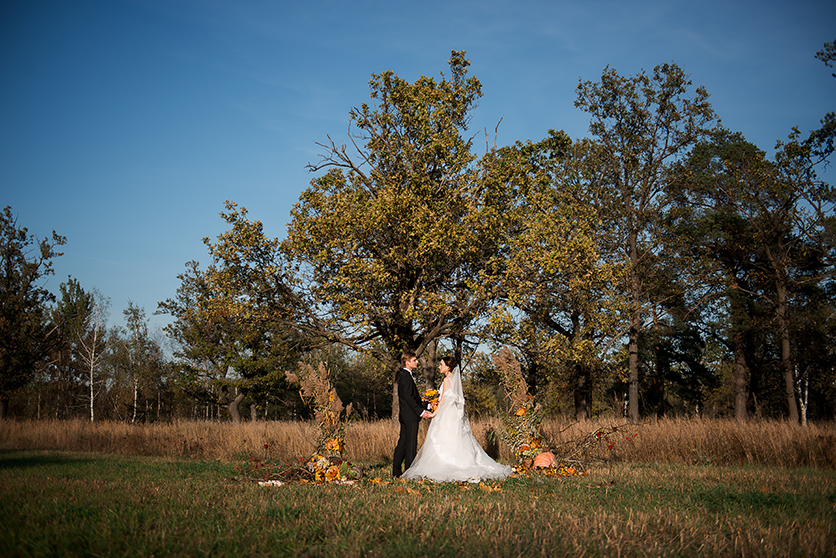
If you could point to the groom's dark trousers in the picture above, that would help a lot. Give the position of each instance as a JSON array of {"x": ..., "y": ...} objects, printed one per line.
[{"x": 409, "y": 416}]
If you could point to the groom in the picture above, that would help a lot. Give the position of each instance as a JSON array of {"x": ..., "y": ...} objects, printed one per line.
[{"x": 412, "y": 410}]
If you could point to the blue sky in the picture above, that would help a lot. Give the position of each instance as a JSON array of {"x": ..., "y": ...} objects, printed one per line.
[{"x": 126, "y": 124}]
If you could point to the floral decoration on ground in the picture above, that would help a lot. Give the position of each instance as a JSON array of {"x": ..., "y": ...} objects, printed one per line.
[
  {"x": 521, "y": 430},
  {"x": 599, "y": 445},
  {"x": 332, "y": 419},
  {"x": 521, "y": 424}
]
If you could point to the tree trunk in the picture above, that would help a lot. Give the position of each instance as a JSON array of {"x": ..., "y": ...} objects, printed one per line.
[
  {"x": 582, "y": 392},
  {"x": 741, "y": 372},
  {"x": 92, "y": 392},
  {"x": 91, "y": 357},
  {"x": 232, "y": 406},
  {"x": 431, "y": 362},
  {"x": 786, "y": 354},
  {"x": 633, "y": 363},
  {"x": 4, "y": 407},
  {"x": 531, "y": 377},
  {"x": 633, "y": 342},
  {"x": 804, "y": 395},
  {"x": 136, "y": 395},
  {"x": 396, "y": 407}
]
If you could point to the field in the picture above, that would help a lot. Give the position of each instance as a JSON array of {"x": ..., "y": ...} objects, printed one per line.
[{"x": 681, "y": 488}]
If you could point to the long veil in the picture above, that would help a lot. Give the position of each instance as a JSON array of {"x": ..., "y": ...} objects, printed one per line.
[{"x": 456, "y": 391}]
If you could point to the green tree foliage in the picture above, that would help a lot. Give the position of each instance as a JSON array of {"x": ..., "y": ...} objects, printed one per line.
[
  {"x": 397, "y": 242},
  {"x": 205, "y": 339},
  {"x": 93, "y": 345},
  {"x": 680, "y": 380},
  {"x": 814, "y": 212},
  {"x": 406, "y": 240},
  {"x": 63, "y": 378},
  {"x": 561, "y": 286},
  {"x": 138, "y": 377},
  {"x": 141, "y": 352},
  {"x": 745, "y": 216},
  {"x": 482, "y": 387},
  {"x": 717, "y": 249},
  {"x": 72, "y": 310},
  {"x": 25, "y": 332},
  {"x": 643, "y": 124},
  {"x": 231, "y": 320},
  {"x": 764, "y": 198},
  {"x": 89, "y": 372},
  {"x": 821, "y": 140},
  {"x": 359, "y": 378}
]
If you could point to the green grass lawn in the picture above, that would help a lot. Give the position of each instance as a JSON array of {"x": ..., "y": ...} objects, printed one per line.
[{"x": 79, "y": 504}]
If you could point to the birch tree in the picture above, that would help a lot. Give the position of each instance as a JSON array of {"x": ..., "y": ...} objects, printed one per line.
[{"x": 91, "y": 341}]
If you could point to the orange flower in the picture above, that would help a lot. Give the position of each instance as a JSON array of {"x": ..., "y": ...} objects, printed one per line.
[
  {"x": 520, "y": 412},
  {"x": 431, "y": 397},
  {"x": 333, "y": 473}
]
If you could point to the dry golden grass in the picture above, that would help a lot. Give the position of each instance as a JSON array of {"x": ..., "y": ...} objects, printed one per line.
[
  {"x": 201, "y": 440},
  {"x": 666, "y": 440},
  {"x": 717, "y": 442}
]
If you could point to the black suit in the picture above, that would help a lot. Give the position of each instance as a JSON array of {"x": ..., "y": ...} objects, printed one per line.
[{"x": 411, "y": 408}]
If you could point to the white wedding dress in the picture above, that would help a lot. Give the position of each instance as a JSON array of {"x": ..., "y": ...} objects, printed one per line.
[{"x": 450, "y": 452}]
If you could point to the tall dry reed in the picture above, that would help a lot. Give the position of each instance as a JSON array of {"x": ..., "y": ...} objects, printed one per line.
[
  {"x": 719, "y": 442},
  {"x": 715, "y": 441}
]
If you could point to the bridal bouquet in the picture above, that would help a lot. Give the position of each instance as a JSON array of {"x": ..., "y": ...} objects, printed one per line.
[{"x": 431, "y": 398}]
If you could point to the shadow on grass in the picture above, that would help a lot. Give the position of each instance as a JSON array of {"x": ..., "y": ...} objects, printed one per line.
[{"x": 16, "y": 459}]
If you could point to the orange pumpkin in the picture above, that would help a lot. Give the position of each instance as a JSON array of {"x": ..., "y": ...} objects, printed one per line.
[{"x": 545, "y": 460}]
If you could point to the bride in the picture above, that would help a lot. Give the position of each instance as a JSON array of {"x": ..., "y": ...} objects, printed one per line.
[{"x": 450, "y": 452}]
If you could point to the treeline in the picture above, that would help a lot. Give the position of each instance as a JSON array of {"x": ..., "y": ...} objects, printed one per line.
[{"x": 662, "y": 266}]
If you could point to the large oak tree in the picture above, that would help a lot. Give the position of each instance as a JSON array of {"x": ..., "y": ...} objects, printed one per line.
[{"x": 397, "y": 243}]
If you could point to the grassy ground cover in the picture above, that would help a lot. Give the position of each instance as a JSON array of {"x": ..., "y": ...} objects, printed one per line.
[
  {"x": 59, "y": 503},
  {"x": 689, "y": 441}
]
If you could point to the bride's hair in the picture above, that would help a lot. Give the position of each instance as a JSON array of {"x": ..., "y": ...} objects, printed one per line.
[{"x": 450, "y": 361}]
